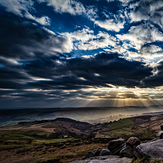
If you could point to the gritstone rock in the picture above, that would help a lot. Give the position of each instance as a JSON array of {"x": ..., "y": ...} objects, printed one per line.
[
  {"x": 129, "y": 148},
  {"x": 115, "y": 146},
  {"x": 105, "y": 159},
  {"x": 93, "y": 153},
  {"x": 104, "y": 152},
  {"x": 152, "y": 149}
]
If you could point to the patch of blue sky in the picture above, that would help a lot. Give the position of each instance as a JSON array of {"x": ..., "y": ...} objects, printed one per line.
[
  {"x": 24, "y": 62},
  {"x": 61, "y": 22},
  {"x": 2, "y": 10},
  {"x": 132, "y": 49},
  {"x": 157, "y": 43},
  {"x": 79, "y": 53},
  {"x": 2, "y": 66},
  {"x": 112, "y": 6},
  {"x": 68, "y": 23},
  {"x": 127, "y": 27}
]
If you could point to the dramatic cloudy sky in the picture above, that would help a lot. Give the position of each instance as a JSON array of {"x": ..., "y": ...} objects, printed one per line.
[{"x": 61, "y": 53}]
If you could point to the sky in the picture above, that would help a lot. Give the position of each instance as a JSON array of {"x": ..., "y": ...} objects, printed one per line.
[{"x": 76, "y": 53}]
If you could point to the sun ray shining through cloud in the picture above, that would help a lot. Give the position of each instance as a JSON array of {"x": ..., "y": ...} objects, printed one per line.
[{"x": 76, "y": 53}]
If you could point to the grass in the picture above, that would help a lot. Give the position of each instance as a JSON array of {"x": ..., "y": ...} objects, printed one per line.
[
  {"x": 121, "y": 123},
  {"x": 124, "y": 128},
  {"x": 118, "y": 133},
  {"x": 32, "y": 147},
  {"x": 157, "y": 161},
  {"x": 121, "y": 128},
  {"x": 140, "y": 160},
  {"x": 44, "y": 141},
  {"x": 144, "y": 160},
  {"x": 23, "y": 139},
  {"x": 37, "y": 144}
]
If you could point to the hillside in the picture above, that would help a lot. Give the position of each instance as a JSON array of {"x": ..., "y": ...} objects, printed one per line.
[{"x": 66, "y": 140}]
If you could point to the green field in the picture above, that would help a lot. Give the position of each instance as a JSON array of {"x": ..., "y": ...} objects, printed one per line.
[{"x": 23, "y": 139}]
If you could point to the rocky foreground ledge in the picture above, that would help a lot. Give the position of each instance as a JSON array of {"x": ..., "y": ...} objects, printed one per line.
[
  {"x": 121, "y": 151},
  {"x": 105, "y": 159},
  {"x": 117, "y": 149}
]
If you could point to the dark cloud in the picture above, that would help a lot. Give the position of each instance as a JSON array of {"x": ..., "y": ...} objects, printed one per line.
[
  {"x": 156, "y": 79},
  {"x": 94, "y": 71},
  {"x": 75, "y": 73},
  {"x": 23, "y": 39},
  {"x": 35, "y": 62}
]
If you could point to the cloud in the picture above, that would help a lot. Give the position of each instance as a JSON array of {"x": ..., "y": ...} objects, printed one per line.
[
  {"x": 86, "y": 39},
  {"x": 29, "y": 39},
  {"x": 110, "y": 24},
  {"x": 140, "y": 11},
  {"x": 44, "y": 20},
  {"x": 145, "y": 10},
  {"x": 24, "y": 8},
  {"x": 49, "y": 73},
  {"x": 82, "y": 78},
  {"x": 77, "y": 73},
  {"x": 157, "y": 77},
  {"x": 66, "y": 60},
  {"x": 150, "y": 50},
  {"x": 66, "y": 6},
  {"x": 17, "y": 6},
  {"x": 142, "y": 36}
]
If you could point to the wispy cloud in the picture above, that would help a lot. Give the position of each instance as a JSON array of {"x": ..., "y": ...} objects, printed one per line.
[{"x": 24, "y": 8}]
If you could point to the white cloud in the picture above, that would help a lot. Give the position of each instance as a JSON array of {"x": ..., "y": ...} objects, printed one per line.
[
  {"x": 138, "y": 16},
  {"x": 157, "y": 18},
  {"x": 103, "y": 40},
  {"x": 82, "y": 35},
  {"x": 156, "y": 35},
  {"x": 66, "y": 6},
  {"x": 110, "y": 0},
  {"x": 150, "y": 50},
  {"x": 140, "y": 37},
  {"x": 44, "y": 20},
  {"x": 155, "y": 5},
  {"x": 142, "y": 34},
  {"x": 17, "y": 6},
  {"x": 110, "y": 25},
  {"x": 86, "y": 40},
  {"x": 144, "y": 9},
  {"x": 23, "y": 8},
  {"x": 125, "y": 1}
]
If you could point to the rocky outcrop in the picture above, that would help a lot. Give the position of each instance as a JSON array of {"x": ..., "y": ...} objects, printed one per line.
[
  {"x": 161, "y": 127},
  {"x": 129, "y": 148},
  {"x": 115, "y": 146},
  {"x": 93, "y": 153},
  {"x": 133, "y": 142},
  {"x": 160, "y": 135},
  {"x": 105, "y": 159},
  {"x": 105, "y": 152},
  {"x": 152, "y": 149},
  {"x": 149, "y": 150}
]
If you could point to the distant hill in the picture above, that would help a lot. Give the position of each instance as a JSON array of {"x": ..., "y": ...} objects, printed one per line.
[{"x": 144, "y": 126}]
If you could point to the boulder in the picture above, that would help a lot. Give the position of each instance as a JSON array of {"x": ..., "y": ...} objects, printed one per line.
[
  {"x": 133, "y": 142},
  {"x": 152, "y": 149},
  {"x": 92, "y": 153},
  {"x": 104, "y": 152},
  {"x": 161, "y": 126},
  {"x": 160, "y": 134},
  {"x": 129, "y": 148},
  {"x": 115, "y": 146}
]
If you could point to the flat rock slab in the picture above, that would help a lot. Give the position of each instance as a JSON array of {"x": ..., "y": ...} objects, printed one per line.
[
  {"x": 108, "y": 159},
  {"x": 152, "y": 149}
]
